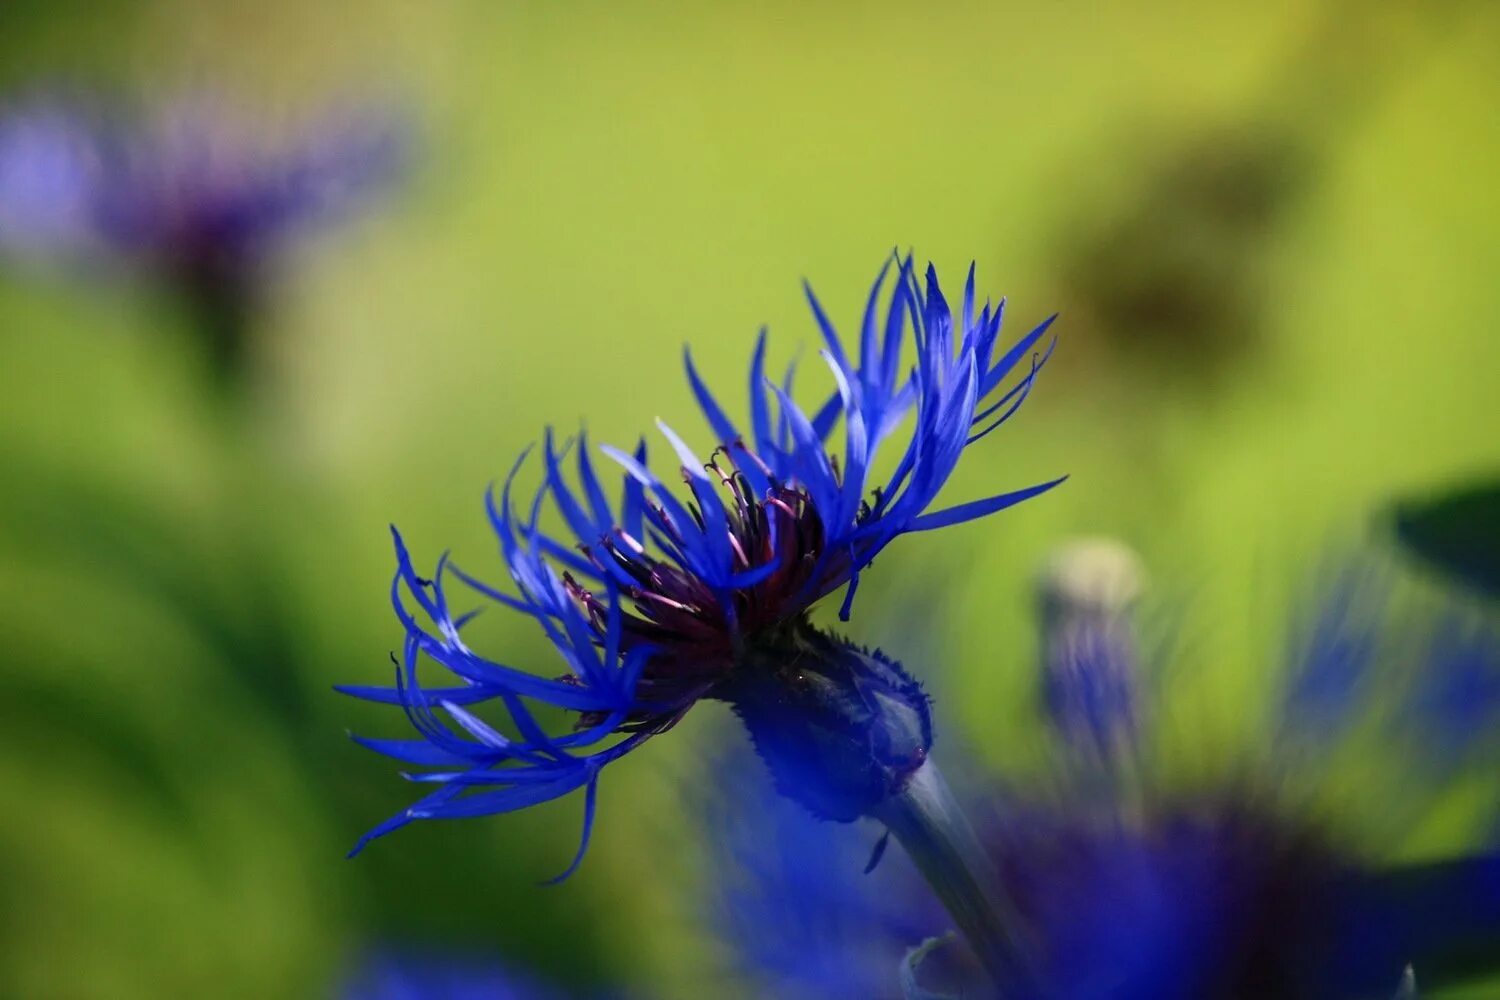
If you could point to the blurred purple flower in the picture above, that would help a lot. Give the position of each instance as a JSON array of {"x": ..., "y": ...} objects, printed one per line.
[
  {"x": 188, "y": 186},
  {"x": 50, "y": 164},
  {"x": 191, "y": 193}
]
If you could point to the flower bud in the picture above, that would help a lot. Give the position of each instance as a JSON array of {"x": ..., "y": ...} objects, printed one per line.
[
  {"x": 1087, "y": 591},
  {"x": 840, "y": 727}
]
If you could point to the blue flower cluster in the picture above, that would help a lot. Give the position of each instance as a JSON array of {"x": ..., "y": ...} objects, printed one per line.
[
  {"x": 655, "y": 600},
  {"x": 1136, "y": 887}
]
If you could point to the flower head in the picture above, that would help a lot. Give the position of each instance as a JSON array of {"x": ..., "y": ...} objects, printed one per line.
[{"x": 668, "y": 596}]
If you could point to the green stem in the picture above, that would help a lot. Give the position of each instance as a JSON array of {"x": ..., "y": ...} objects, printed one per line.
[{"x": 936, "y": 834}]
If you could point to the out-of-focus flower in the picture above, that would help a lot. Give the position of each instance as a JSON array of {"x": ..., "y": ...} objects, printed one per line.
[
  {"x": 49, "y": 165},
  {"x": 193, "y": 184},
  {"x": 1087, "y": 591},
  {"x": 789, "y": 902},
  {"x": 192, "y": 191},
  {"x": 1140, "y": 888},
  {"x": 407, "y": 974},
  {"x": 656, "y": 602}
]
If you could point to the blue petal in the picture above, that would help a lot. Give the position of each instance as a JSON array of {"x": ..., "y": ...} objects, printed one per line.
[
  {"x": 413, "y": 752},
  {"x": 1009, "y": 358},
  {"x": 392, "y": 696},
  {"x": 721, "y": 424},
  {"x": 825, "y": 326},
  {"x": 590, "y": 800},
  {"x": 978, "y": 508},
  {"x": 506, "y": 799}
]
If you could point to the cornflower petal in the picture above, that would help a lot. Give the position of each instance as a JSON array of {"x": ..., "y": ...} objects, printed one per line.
[
  {"x": 721, "y": 424},
  {"x": 980, "y": 508}
]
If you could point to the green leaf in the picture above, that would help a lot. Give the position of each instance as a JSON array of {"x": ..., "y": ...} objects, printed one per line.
[{"x": 1457, "y": 532}]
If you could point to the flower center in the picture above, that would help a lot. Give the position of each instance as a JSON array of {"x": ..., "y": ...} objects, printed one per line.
[{"x": 697, "y": 630}]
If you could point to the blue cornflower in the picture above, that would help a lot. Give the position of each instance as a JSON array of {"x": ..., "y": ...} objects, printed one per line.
[
  {"x": 1239, "y": 887},
  {"x": 1138, "y": 888},
  {"x": 657, "y": 601}
]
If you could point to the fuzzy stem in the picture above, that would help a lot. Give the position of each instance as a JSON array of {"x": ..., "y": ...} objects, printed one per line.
[{"x": 936, "y": 834}]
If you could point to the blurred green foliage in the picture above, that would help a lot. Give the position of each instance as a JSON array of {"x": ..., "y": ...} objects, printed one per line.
[{"x": 180, "y": 583}]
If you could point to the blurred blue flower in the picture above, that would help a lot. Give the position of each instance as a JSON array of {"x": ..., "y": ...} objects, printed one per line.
[
  {"x": 1333, "y": 659},
  {"x": 789, "y": 901},
  {"x": 1140, "y": 888},
  {"x": 191, "y": 194},
  {"x": 655, "y": 602},
  {"x": 1087, "y": 592},
  {"x": 407, "y": 974},
  {"x": 189, "y": 187},
  {"x": 1457, "y": 700},
  {"x": 49, "y": 162}
]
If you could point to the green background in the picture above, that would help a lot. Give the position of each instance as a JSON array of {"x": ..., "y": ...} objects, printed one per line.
[{"x": 596, "y": 184}]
